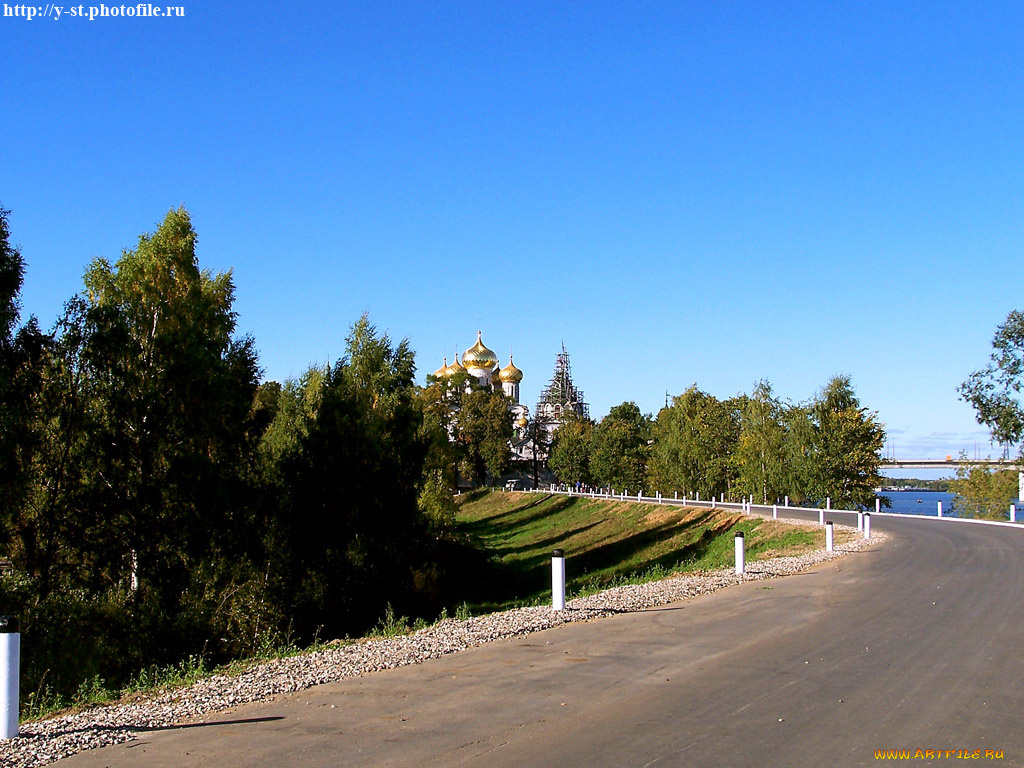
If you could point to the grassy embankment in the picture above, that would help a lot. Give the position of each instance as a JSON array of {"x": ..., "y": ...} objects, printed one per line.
[
  {"x": 605, "y": 542},
  {"x": 507, "y": 562}
]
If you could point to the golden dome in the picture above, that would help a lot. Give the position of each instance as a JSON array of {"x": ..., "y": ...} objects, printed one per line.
[
  {"x": 522, "y": 423},
  {"x": 510, "y": 373},
  {"x": 455, "y": 367},
  {"x": 442, "y": 371},
  {"x": 479, "y": 356}
]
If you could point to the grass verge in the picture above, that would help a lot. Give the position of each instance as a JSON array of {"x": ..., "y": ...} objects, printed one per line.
[{"x": 606, "y": 542}]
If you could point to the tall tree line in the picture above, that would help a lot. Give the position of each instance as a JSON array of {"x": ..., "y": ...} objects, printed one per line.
[
  {"x": 754, "y": 446},
  {"x": 159, "y": 501}
]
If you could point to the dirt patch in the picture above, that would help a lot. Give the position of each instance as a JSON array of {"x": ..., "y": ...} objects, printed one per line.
[{"x": 661, "y": 516}]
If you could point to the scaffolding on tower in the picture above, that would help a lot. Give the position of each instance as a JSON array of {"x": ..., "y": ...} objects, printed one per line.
[{"x": 561, "y": 399}]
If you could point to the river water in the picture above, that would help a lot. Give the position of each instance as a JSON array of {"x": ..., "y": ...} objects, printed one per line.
[{"x": 919, "y": 502}]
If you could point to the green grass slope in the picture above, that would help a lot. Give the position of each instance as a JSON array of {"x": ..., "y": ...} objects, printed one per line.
[{"x": 606, "y": 542}]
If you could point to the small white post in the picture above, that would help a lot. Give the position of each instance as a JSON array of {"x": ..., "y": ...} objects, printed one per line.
[
  {"x": 10, "y": 674},
  {"x": 1013, "y": 513},
  {"x": 740, "y": 561},
  {"x": 675, "y": 495},
  {"x": 821, "y": 517},
  {"x": 878, "y": 505},
  {"x": 860, "y": 521},
  {"x": 721, "y": 497},
  {"x": 787, "y": 502},
  {"x": 712, "y": 502},
  {"x": 698, "y": 495},
  {"x": 940, "y": 508},
  {"x": 558, "y": 580},
  {"x": 775, "y": 511},
  {"x": 828, "y": 502},
  {"x": 639, "y": 495},
  {"x": 867, "y": 525},
  {"x": 829, "y": 539}
]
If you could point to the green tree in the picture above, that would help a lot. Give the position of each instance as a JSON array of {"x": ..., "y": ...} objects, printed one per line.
[
  {"x": 172, "y": 391},
  {"x": 295, "y": 407},
  {"x": 484, "y": 429},
  {"x": 798, "y": 452},
  {"x": 570, "y": 452},
  {"x": 440, "y": 401},
  {"x": 981, "y": 492},
  {"x": 13, "y": 406},
  {"x": 12, "y": 275},
  {"x": 49, "y": 517},
  {"x": 619, "y": 451},
  {"x": 694, "y": 439},
  {"x": 40, "y": 429},
  {"x": 846, "y": 452},
  {"x": 994, "y": 392},
  {"x": 351, "y": 528},
  {"x": 759, "y": 455},
  {"x": 537, "y": 433}
]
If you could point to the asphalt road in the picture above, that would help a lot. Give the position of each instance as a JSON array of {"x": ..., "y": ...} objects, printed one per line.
[{"x": 913, "y": 644}]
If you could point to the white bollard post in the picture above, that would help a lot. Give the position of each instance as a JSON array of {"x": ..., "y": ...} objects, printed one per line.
[
  {"x": 787, "y": 502},
  {"x": 878, "y": 505},
  {"x": 940, "y": 508},
  {"x": 860, "y": 521},
  {"x": 775, "y": 511},
  {"x": 675, "y": 495},
  {"x": 10, "y": 675},
  {"x": 867, "y": 525},
  {"x": 698, "y": 495},
  {"x": 558, "y": 580},
  {"x": 1013, "y": 513},
  {"x": 639, "y": 495},
  {"x": 821, "y": 517},
  {"x": 740, "y": 561},
  {"x": 828, "y": 502},
  {"x": 712, "y": 502},
  {"x": 829, "y": 536}
]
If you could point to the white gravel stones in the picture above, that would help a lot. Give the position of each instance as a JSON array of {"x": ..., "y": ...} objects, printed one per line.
[{"x": 43, "y": 742}]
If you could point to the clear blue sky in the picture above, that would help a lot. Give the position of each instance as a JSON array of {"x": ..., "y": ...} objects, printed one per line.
[{"x": 683, "y": 192}]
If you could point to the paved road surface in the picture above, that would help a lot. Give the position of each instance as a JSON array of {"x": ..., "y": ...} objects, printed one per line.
[{"x": 915, "y": 644}]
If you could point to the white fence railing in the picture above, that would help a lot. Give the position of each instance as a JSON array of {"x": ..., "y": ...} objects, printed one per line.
[{"x": 748, "y": 507}]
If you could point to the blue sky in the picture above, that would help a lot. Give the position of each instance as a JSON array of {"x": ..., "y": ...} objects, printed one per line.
[{"x": 699, "y": 192}]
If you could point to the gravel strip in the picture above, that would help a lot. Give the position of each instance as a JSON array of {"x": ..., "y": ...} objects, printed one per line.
[{"x": 42, "y": 742}]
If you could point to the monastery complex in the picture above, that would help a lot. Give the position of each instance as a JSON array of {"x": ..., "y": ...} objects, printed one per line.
[{"x": 559, "y": 401}]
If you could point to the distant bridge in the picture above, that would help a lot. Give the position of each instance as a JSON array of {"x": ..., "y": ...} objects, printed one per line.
[{"x": 950, "y": 463}]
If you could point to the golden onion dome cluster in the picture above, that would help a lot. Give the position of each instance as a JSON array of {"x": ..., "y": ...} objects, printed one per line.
[
  {"x": 442, "y": 371},
  {"x": 479, "y": 356},
  {"x": 510, "y": 373}
]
